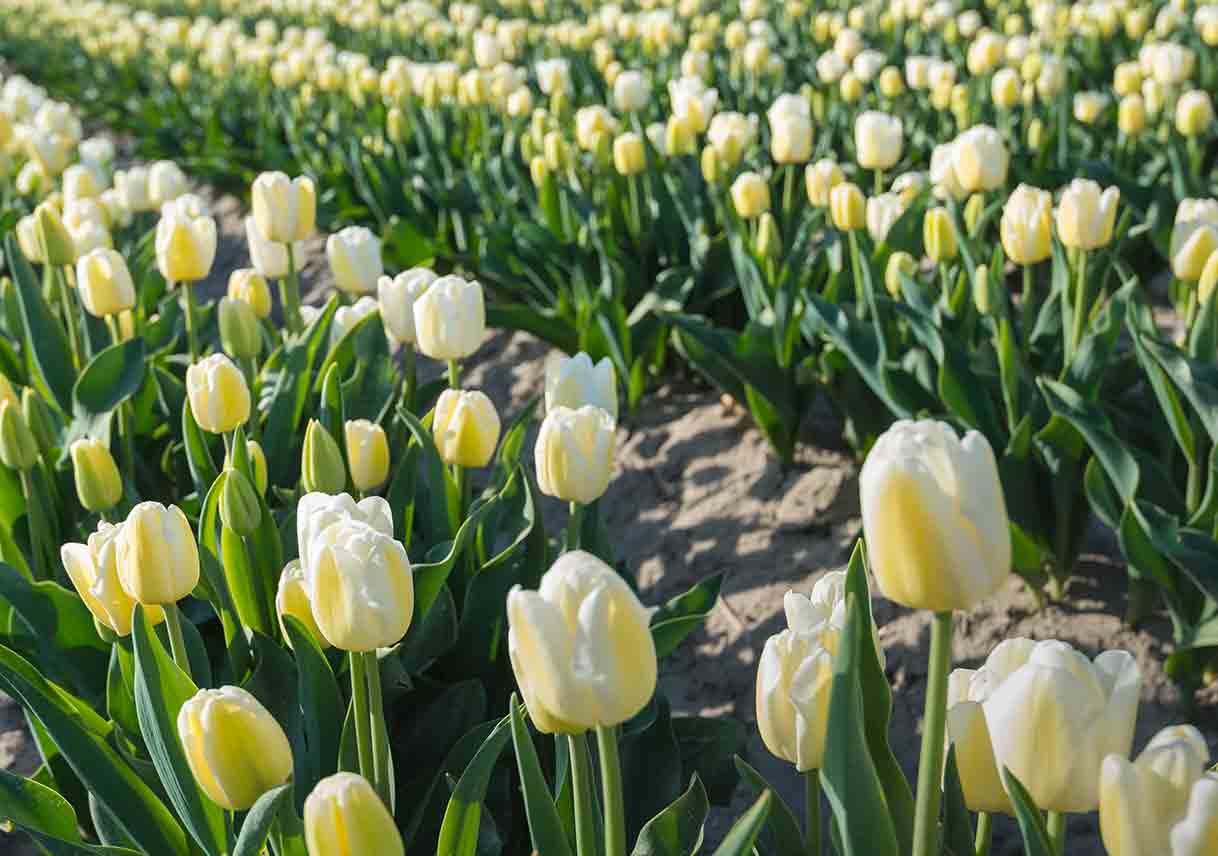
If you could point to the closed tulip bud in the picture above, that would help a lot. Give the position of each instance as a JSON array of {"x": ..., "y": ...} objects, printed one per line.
[
  {"x": 847, "y": 207},
  {"x": 820, "y": 178},
  {"x": 791, "y": 129},
  {"x": 1141, "y": 801},
  {"x": 37, "y": 417},
  {"x": 1194, "y": 113},
  {"x": 348, "y": 561},
  {"x": 574, "y": 453},
  {"x": 850, "y": 88},
  {"x": 574, "y": 382},
  {"x": 104, "y": 283},
  {"x": 680, "y": 136},
  {"x": 939, "y": 235},
  {"x": 56, "y": 243},
  {"x": 1131, "y": 115},
  {"x": 185, "y": 247},
  {"x": 1036, "y": 135},
  {"x": 234, "y": 747},
  {"x": 98, "y": 484},
  {"x": 982, "y": 299},
  {"x": 80, "y": 182},
  {"x": 396, "y": 298},
  {"x": 538, "y": 171},
  {"x": 29, "y": 239},
  {"x": 1053, "y": 696},
  {"x": 250, "y": 287},
  {"x": 1005, "y": 88},
  {"x": 712, "y": 165},
  {"x": 581, "y": 647},
  {"x": 158, "y": 559},
  {"x": 1026, "y": 225},
  {"x": 285, "y": 209},
  {"x": 355, "y": 259},
  {"x": 1194, "y": 237},
  {"x": 450, "y": 318},
  {"x": 257, "y": 464},
  {"x": 1086, "y": 214},
  {"x": 934, "y": 517},
  {"x": 466, "y": 428},
  {"x": 396, "y": 125},
  {"x": 973, "y": 211},
  {"x": 343, "y": 814},
  {"x": 892, "y": 84},
  {"x": 980, "y": 159},
  {"x": 367, "y": 454},
  {"x": 630, "y": 91},
  {"x": 93, "y": 570},
  {"x": 321, "y": 464},
  {"x": 769, "y": 240},
  {"x": 239, "y": 331},
  {"x": 292, "y": 599},
  {"x": 1089, "y": 106},
  {"x": 629, "y": 155},
  {"x": 750, "y": 195},
  {"x": 18, "y": 449},
  {"x": 878, "y": 140},
  {"x": 899, "y": 263},
  {"x": 166, "y": 182},
  {"x": 219, "y": 396},
  {"x": 240, "y": 508}
]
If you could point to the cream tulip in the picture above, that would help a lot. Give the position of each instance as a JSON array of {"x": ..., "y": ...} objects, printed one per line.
[
  {"x": 1194, "y": 237},
  {"x": 790, "y": 129},
  {"x": 466, "y": 427},
  {"x": 219, "y": 396},
  {"x": 878, "y": 140},
  {"x": 574, "y": 453},
  {"x": 450, "y": 318},
  {"x": 367, "y": 454},
  {"x": 285, "y": 209},
  {"x": 344, "y": 815},
  {"x": 980, "y": 159},
  {"x": 104, "y": 283},
  {"x": 574, "y": 382},
  {"x": 355, "y": 259},
  {"x": 1086, "y": 214},
  {"x": 1026, "y": 225},
  {"x": 750, "y": 195},
  {"x": 397, "y": 297},
  {"x": 185, "y": 248},
  {"x": 158, "y": 559},
  {"x": 93, "y": 570},
  {"x": 317, "y": 511}
]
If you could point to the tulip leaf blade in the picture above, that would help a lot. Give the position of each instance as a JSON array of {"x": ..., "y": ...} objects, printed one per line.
[
  {"x": 321, "y": 708},
  {"x": 679, "y": 829},
  {"x": 545, "y": 828},
  {"x": 684, "y": 614},
  {"x": 101, "y": 770},
  {"x": 782, "y": 823},
  {"x": 463, "y": 816},
  {"x": 1031, "y": 823},
  {"x": 743, "y": 834},
  {"x": 957, "y": 825},
  {"x": 46, "y": 345},
  {"x": 198, "y": 458},
  {"x": 161, "y": 688},
  {"x": 260, "y": 819},
  {"x": 111, "y": 377},
  {"x": 438, "y": 523},
  {"x": 32, "y": 805}
]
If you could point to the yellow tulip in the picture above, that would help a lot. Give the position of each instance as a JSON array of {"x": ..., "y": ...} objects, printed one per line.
[
  {"x": 158, "y": 559},
  {"x": 343, "y": 815},
  {"x": 219, "y": 396},
  {"x": 98, "y": 483},
  {"x": 466, "y": 427},
  {"x": 93, "y": 570},
  {"x": 367, "y": 454}
]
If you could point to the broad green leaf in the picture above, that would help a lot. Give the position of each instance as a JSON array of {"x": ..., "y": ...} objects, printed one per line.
[
  {"x": 544, "y": 826},
  {"x": 743, "y": 834},
  {"x": 45, "y": 341},
  {"x": 782, "y": 824},
  {"x": 1090, "y": 421},
  {"x": 462, "y": 818},
  {"x": 110, "y": 378},
  {"x": 31, "y": 805},
  {"x": 1027, "y": 815},
  {"x": 321, "y": 709},
  {"x": 678, "y": 829},
  {"x": 256, "y": 827},
  {"x": 684, "y": 614}
]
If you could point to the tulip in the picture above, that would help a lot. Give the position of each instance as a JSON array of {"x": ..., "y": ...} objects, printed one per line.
[
  {"x": 396, "y": 298},
  {"x": 18, "y": 449},
  {"x": 219, "y": 396},
  {"x": 104, "y": 283},
  {"x": 355, "y": 259},
  {"x": 750, "y": 195},
  {"x": 790, "y": 129},
  {"x": 317, "y": 511},
  {"x": 593, "y": 124},
  {"x": 450, "y": 318},
  {"x": 899, "y": 263},
  {"x": 730, "y": 134},
  {"x": 269, "y": 259},
  {"x": 93, "y": 570},
  {"x": 250, "y": 287},
  {"x": 1005, "y": 89},
  {"x": 883, "y": 212},
  {"x": 943, "y": 172},
  {"x": 1140, "y": 802},
  {"x": 574, "y": 382},
  {"x": 360, "y": 585},
  {"x": 80, "y": 182},
  {"x": 939, "y": 235},
  {"x": 234, "y": 747},
  {"x": 1086, "y": 215},
  {"x": 466, "y": 428},
  {"x": 891, "y": 83},
  {"x": 630, "y": 91},
  {"x": 55, "y": 243},
  {"x": 367, "y": 454},
  {"x": 820, "y": 178},
  {"x": 1131, "y": 115},
  {"x": 574, "y": 453},
  {"x": 1209, "y": 279},
  {"x": 581, "y": 647},
  {"x": 185, "y": 248},
  {"x": 98, "y": 484},
  {"x": 158, "y": 560},
  {"x": 321, "y": 461},
  {"x": 934, "y": 517},
  {"x": 847, "y": 207},
  {"x": 1194, "y": 113},
  {"x": 980, "y": 159},
  {"x": 878, "y": 140},
  {"x": 343, "y": 814},
  {"x": 1055, "y": 703},
  {"x": 285, "y": 210},
  {"x": 1197, "y": 833},
  {"x": 132, "y": 187},
  {"x": 692, "y": 102},
  {"x": 1088, "y": 106},
  {"x": 166, "y": 182},
  {"x": 292, "y": 599},
  {"x": 1026, "y": 225},
  {"x": 1194, "y": 237}
]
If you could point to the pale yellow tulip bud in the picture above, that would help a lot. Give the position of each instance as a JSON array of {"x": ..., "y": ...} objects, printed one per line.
[
  {"x": 847, "y": 207},
  {"x": 343, "y": 814},
  {"x": 878, "y": 140},
  {"x": 450, "y": 318},
  {"x": 1194, "y": 113},
  {"x": 629, "y": 154},
  {"x": 939, "y": 235},
  {"x": 250, "y": 287},
  {"x": 219, "y": 396},
  {"x": 355, "y": 259},
  {"x": 1194, "y": 237},
  {"x": 899, "y": 263},
  {"x": 367, "y": 454},
  {"x": 1086, "y": 214},
  {"x": 18, "y": 449},
  {"x": 98, "y": 483},
  {"x": 892, "y": 84},
  {"x": 104, "y": 283},
  {"x": 574, "y": 453},
  {"x": 158, "y": 559},
  {"x": 820, "y": 178},
  {"x": 980, "y": 159},
  {"x": 55, "y": 243},
  {"x": 321, "y": 461},
  {"x": 750, "y": 195},
  {"x": 466, "y": 428},
  {"x": 234, "y": 747},
  {"x": 1131, "y": 115},
  {"x": 185, "y": 247}
]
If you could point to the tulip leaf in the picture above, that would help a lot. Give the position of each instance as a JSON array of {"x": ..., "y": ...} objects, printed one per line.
[
  {"x": 161, "y": 688},
  {"x": 61, "y": 847},
  {"x": 198, "y": 458},
  {"x": 1095, "y": 428},
  {"x": 462, "y": 818},
  {"x": 135, "y": 808},
  {"x": 261, "y": 819},
  {"x": 678, "y": 830},
  {"x": 46, "y": 345},
  {"x": 782, "y": 825},
  {"x": 111, "y": 377},
  {"x": 1031, "y": 822},
  {"x": 321, "y": 710},
  {"x": 684, "y": 614},
  {"x": 545, "y": 828},
  {"x": 31, "y": 805},
  {"x": 743, "y": 834},
  {"x": 957, "y": 824},
  {"x": 438, "y": 525}
]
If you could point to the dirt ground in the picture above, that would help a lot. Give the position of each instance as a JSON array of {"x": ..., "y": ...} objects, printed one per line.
[{"x": 696, "y": 492}]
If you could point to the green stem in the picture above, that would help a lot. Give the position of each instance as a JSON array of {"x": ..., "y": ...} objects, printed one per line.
[
  {"x": 290, "y": 294},
  {"x": 1080, "y": 311},
  {"x": 454, "y": 375},
  {"x": 636, "y": 217},
  {"x": 575, "y": 526},
  {"x": 1057, "y": 831},
  {"x": 1028, "y": 309},
  {"x": 410, "y": 381},
  {"x": 930, "y": 762},
  {"x": 581, "y": 784},
  {"x": 879, "y": 182},
  {"x": 611, "y": 791},
  {"x": 812, "y": 813},
  {"x": 177, "y": 642},
  {"x": 788, "y": 193},
  {"x": 188, "y": 304},
  {"x": 985, "y": 833},
  {"x": 36, "y": 524},
  {"x": 69, "y": 318},
  {"x": 363, "y": 725},
  {"x": 381, "y": 757}
]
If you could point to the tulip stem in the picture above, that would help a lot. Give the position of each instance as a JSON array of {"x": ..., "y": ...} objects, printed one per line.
[
  {"x": 1028, "y": 309},
  {"x": 812, "y": 812},
  {"x": 381, "y": 758},
  {"x": 363, "y": 725},
  {"x": 410, "y": 380},
  {"x": 69, "y": 319},
  {"x": 581, "y": 790},
  {"x": 289, "y": 292},
  {"x": 454, "y": 375},
  {"x": 1080, "y": 311},
  {"x": 985, "y": 833},
  {"x": 177, "y": 642},
  {"x": 575, "y": 526},
  {"x": 188, "y": 306},
  {"x": 930, "y": 762},
  {"x": 611, "y": 791},
  {"x": 1057, "y": 831}
]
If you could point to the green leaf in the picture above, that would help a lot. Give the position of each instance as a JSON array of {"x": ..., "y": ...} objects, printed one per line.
[
  {"x": 1027, "y": 815},
  {"x": 684, "y": 614},
  {"x": 110, "y": 378},
  {"x": 462, "y": 818},
  {"x": 783, "y": 826},
  {"x": 198, "y": 458},
  {"x": 261, "y": 817},
  {"x": 441, "y": 526},
  {"x": 678, "y": 829},
  {"x": 45, "y": 342},
  {"x": 31, "y": 805},
  {"x": 161, "y": 688},
  {"x": 321, "y": 709},
  {"x": 544, "y": 826},
  {"x": 1090, "y": 421},
  {"x": 743, "y": 834},
  {"x": 709, "y": 746},
  {"x": 957, "y": 824}
]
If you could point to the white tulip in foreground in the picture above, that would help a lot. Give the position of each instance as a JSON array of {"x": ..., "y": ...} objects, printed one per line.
[{"x": 581, "y": 647}]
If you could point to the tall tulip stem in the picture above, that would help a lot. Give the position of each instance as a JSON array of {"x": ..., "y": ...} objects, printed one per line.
[
  {"x": 575, "y": 526},
  {"x": 611, "y": 791},
  {"x": 289, "y": 292},
  {"x": 69, "y": 317},
  {"x": 812, "y": 813},
  {"x": 379, "y": 733},
  {"x": 581, "y": 791},
  {"x": 930, "y": 762},
  {"x": 177, "y": 642},
  {"x": 1057, "y": 831},
  {"x": 363, "y": 724},
  {"x": 410, "y": 377},
  {"x": 985, "y": 833},
  {"x": 454, "y": 374},
  {"x": 188, "y": 307}
]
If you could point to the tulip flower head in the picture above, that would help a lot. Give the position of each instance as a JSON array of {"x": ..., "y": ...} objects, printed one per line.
[
  {"x": 93, "y": 569},
  {"x": 396, "y": 298},
  {"x": 575, "y": 382}
]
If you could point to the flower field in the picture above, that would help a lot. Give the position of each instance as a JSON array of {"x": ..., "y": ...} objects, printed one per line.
[{"x": 585, "y": 429}]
